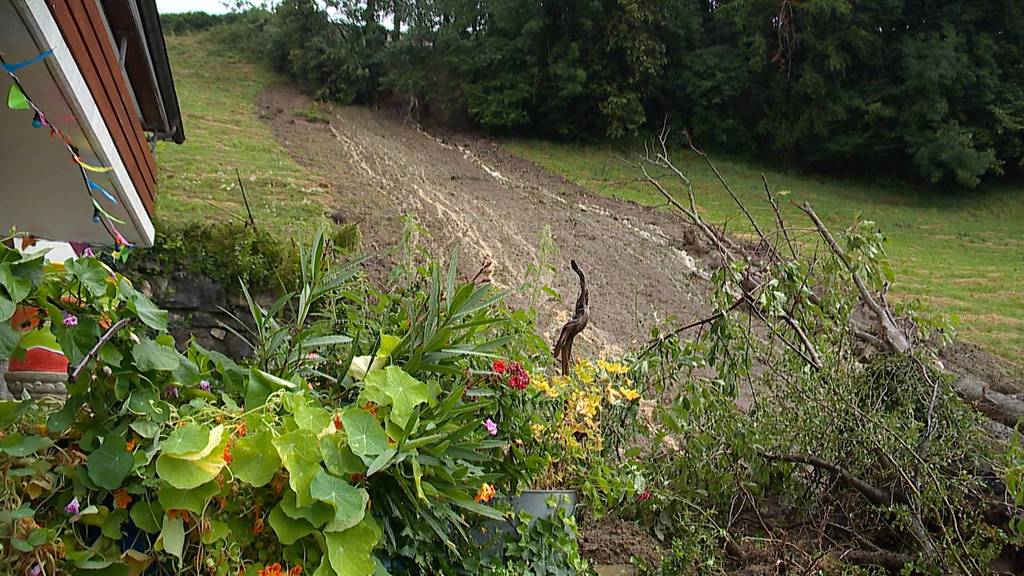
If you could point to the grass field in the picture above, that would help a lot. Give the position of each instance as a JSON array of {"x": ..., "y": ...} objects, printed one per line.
[
  {"x": 217, "y": 91},
  {"x": 960, "y": 253}
]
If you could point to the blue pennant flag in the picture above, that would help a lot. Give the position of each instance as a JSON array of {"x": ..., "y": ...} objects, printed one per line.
[
  {"x": 12, "y": 68},
  {"x": 101, "y": 190}
]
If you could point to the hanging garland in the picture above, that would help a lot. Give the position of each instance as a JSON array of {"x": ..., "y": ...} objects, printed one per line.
[{"x": 18, "y": 99}]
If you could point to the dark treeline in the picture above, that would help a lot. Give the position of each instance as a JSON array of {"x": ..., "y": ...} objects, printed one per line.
[{"x": 930, "y": 87}]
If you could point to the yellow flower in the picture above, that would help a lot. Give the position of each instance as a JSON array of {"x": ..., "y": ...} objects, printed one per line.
[
  {"x": 613, "y": 367},
  {"x": 629, "y": 394},
  {"x": 612, "y": 393},
  {"x": 584, "y": 371},
  {"x": 538, "y": 430},
  {"x": 485, "y": 493},
  {"x": 541, "y": 384}
]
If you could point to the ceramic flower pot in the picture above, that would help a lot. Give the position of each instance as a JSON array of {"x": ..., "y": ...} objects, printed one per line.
[{"x": 43, "y": 370}]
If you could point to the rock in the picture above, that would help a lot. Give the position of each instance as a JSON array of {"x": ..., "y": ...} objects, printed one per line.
[{"x": 218, "y": 333}]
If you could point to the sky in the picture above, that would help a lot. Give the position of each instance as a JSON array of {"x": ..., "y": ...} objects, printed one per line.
[{"x": 211, "y": 6}]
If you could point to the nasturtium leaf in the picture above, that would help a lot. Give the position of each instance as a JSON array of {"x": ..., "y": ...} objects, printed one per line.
[
  {"x": 338, "y": 457},
  {"x": 193, "y": 500},
  {"x": 405, "y": 392},
  {"x": 365, "y": 435},
  {"x": 146, "y": 515},
  {"x": 150, "y": 315},
  {"x": 255, "y": 459},
  {"x": 149, "y": 355},
  {"x": 325, "y": 567},
  {"x": 300, "y": 455},
  {"x": 188, "y": 439},
  {"x": 146, "y": 428},
  {"x": 312, "y": 418},
  {"x": 351, "y": 551},
  {"x": 18, "y": 446},
  {"x": 213, "y": 441},
  {"x": 109, "y": 465},
  {"x": 288, "y": 530},
  {"x": 9, "y": 337},
  {"x": 349, "y": 502},
  {"x": 188, "y": 474},
  {"x": 91, "y": 273},
  {"x": 317, "y": 513},
  {"x": 173, "y": 535}
]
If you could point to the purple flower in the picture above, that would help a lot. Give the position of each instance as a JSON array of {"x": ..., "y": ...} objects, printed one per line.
[
  {"x": 73, "y": 508},
  {"x": 171, "y": 391},
  {"x": 70, "y": 320},
  {"x": 204, "y": 385},
  {"x": 36, "y": 570},
  {"x": 492, "y": 427},
  {"x": 88, "y": 253}
]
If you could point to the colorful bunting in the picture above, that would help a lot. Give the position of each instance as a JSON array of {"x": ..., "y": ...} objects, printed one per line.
[
  {"x": 12, "y": 68},
  {"x": 16, "y": 99},
  {"x": 90, "y": 167}
]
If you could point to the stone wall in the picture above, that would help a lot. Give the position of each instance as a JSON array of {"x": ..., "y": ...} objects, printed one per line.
[{"x": 196, "y": 308}]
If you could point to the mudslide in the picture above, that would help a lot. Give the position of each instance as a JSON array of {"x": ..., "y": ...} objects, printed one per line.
[{"x": 643, "y": 264}]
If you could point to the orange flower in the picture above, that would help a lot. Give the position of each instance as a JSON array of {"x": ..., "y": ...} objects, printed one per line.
[
  {"x": 257, "y": 526},
  {"x": 131, "y": 443},
  {"x": 337, "y": 422},
  {"x": 122, "y": 499},
  {"x": 183, "y": 514},
  {"x": 371, "y": 408},
  {"x": 228, "y": 458},
  {"x": 272, "y": 570},
  {"x": 278, "y": 482},
  {"x": 295, "y": 571},
  {"x": 241, "y": 430},
  {"x": 485, "y": 493},
  {"x": 222, "y": 502}
]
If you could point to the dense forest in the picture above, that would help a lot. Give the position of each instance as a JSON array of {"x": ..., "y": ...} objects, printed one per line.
[{"x": 933, "y": 89}]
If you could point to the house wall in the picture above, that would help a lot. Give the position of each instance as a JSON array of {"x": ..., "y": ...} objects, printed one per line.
[{"x": 85, "y": 33}]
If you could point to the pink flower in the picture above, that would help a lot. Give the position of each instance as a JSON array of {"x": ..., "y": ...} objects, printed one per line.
[
  {"x": 519, "y": 378},
  {"x": 88, "y": 253},
  {"x": 119, "y": 240},
  {"x": 644, "y": 496},
  {"x": 36, "y": 570},
  {"x": 73, "y": 508},
  {"x": 204, "y": 385},
  {"x": 70, "y": 320},
  {"x": 492, "y": 427},
  {"x": 171, "y": 391}
]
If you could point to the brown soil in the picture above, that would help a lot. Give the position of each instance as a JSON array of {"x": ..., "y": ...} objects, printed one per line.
[
  {"x": 1001, "y": 375},
  {"x": 642, "y": 264},
  {"x": 614, "y": 541}
]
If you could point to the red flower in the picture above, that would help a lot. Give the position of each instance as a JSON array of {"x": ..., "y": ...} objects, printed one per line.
[
  {"x": 498, "y": 366},
  {"x": 643, "y": 496},
  {"x": 519, "y": 378}
]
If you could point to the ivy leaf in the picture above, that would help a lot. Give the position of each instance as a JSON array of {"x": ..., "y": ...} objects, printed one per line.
[
  {"x": 299, "y": 454},
  {"x": 351, "y": 551},
  {"x": 405, "y": 392},
  {"x": 145, "y": 515},
  {"x": 149, "y": 355},
  {"x": 173, "y": 535},
  {"x": 109, "y": 465},
  {"x": 18, "y": 446},
  {"x": 349, "y": 503},
  {"x": 91, "y": 273},
  {"x": 365, "y": 436},
  {"x": 289, "y": 530},
  {"x": 255, "y": 459},
  {"x": 338, "y": 457},
  {"x": 148, "y": 312}
]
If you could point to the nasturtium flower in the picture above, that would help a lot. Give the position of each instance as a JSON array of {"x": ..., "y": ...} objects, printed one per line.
[
  {"x": 204, "y": 385},
  {"x": 88, "y": 253},
  {"x": 122, "y": 499},
  {"x": 35, "y": 570},
  {"x": 171, "y": 391},
  {"x": 70, "y": 320},
  {"x": 492, "y": 427},
  {"x": 485, "y": 493}
]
